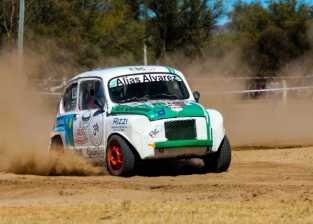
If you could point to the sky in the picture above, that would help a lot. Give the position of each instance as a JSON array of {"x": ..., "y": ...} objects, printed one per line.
[{"x": 228, "y": 4}]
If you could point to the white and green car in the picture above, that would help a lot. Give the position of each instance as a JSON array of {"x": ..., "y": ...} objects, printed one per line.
[{"x": 120, "y": 116}]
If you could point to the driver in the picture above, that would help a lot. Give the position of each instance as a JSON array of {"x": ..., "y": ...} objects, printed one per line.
[{"x": 95, "y": 95}]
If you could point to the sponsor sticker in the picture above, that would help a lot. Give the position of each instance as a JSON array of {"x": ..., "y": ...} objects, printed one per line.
[
  {"x": 176, "y": 105},
  {"x": 141, "y": 69},
  {"x": 161, "y": 112},
  {"x": 95, "y": 153},
  {"x": 86, "y": 119},
  {"x": 154, "y": 132},
  {"x": 119, "y": 124},
  {"x": 95, "y": 132},
  {"x": 80, "y": 137},
  {"x": 145, "y": 78}
]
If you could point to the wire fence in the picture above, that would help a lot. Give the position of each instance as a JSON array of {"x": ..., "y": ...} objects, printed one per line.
[{"x": 250, "y": 87}]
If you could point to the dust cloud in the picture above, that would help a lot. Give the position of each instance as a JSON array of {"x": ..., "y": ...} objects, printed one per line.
[
  {"x": 269, "y": 123},
  {"x": 25, "y": 122},
  {"x": 27, "y": 118},
  {"x": 268, "y": 120}
]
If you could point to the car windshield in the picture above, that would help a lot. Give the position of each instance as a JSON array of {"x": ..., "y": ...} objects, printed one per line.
[{"x": 147, "y": 87}]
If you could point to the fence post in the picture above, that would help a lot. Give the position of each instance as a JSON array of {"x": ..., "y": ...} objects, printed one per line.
[{"x": 284, "y": 95}]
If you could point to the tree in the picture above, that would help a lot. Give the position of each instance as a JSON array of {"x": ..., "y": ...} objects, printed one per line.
[
  {"x": 181, "y": 25},
  {"x": 272, "y": 35},
  {"x": 92, "y": 29},
  {"x": 8, "y": 22}
]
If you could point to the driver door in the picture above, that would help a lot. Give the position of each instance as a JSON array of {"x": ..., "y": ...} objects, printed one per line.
[{"x": 89, "y": 124}]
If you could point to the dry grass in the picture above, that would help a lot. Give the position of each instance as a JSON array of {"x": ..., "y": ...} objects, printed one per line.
[
  {"x": 269, "y": 186},
  {"x": 162, "y": 212}
]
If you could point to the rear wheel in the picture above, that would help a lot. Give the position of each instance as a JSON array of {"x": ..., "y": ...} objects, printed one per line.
[
  {"x": 57, "y": 145},
  {"x": 219, "y": 161},
  {"x": 120, "y": 159}
]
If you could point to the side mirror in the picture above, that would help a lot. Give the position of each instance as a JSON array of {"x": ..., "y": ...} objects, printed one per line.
[
  {"x": 99, "y": 104},
  {"x": 196, "y": 95}
]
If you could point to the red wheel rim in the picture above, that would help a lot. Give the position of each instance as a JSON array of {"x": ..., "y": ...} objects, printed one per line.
[{"x": 115, "y": 156}]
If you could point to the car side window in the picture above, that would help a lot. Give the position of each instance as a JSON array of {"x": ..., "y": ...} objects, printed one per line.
[
  {"x": 70, "y": 98},
  {"x": 91, "y": 94}
]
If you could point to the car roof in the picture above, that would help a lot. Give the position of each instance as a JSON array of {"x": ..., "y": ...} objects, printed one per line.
[{"x": 108, "y": 73}]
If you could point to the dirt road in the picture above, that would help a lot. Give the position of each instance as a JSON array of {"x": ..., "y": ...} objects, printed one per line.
[{"x": 262, "y": 186}]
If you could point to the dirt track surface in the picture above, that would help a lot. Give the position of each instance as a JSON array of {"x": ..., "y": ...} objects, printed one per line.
[{"x": 262, "y": 186}]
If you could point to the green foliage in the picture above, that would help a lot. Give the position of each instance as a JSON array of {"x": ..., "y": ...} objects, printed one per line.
[
  {"x": 93, "y": 31},
  {"x": 92, "y": 28},
  {"x": 274, "y": 35},
  {"x": 8, "y": 25},
  {"x": 181, "y": 25}
]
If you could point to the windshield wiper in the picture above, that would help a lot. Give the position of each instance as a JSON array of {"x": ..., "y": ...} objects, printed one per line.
[
  {"x": 147, "y": 97},
  {"x": 167, "y": 96},
  {"x": 143, "y": 98}
]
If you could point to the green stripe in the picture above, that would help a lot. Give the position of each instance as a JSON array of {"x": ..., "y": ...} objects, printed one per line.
[
  {"x": 181, "y": 143},
  {"x": 168, "y": 68},
  {"x": 209, "y": 128},
  {"x": 171, "y": 70},
  {"x": 151, "y": 111}
]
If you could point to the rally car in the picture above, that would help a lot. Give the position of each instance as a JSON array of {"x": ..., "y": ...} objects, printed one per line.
[{"x": 120, "y": 116}]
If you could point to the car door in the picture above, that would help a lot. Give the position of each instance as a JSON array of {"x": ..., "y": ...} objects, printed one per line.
[{"x": 89, "y": 126}]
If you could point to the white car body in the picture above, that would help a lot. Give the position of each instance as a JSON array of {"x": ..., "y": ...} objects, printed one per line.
[{"x": 141, "y": 124}]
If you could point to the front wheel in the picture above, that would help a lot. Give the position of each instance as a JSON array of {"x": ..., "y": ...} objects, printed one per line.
[
  {"x": 120, "y": 159},
  {"x": 219, "y": 161}
]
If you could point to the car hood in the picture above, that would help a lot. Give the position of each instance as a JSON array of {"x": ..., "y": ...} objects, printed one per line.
[{"x": 161, "y": 110}]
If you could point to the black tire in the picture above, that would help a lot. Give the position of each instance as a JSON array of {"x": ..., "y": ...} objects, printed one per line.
[
  {"x": 57, "y": 145},
  {"x": 127, "y": 165},
  {"x": 219, "y": 161}
]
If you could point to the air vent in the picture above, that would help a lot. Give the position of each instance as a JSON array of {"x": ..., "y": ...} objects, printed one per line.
[{"x": 180, "y": 130}]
